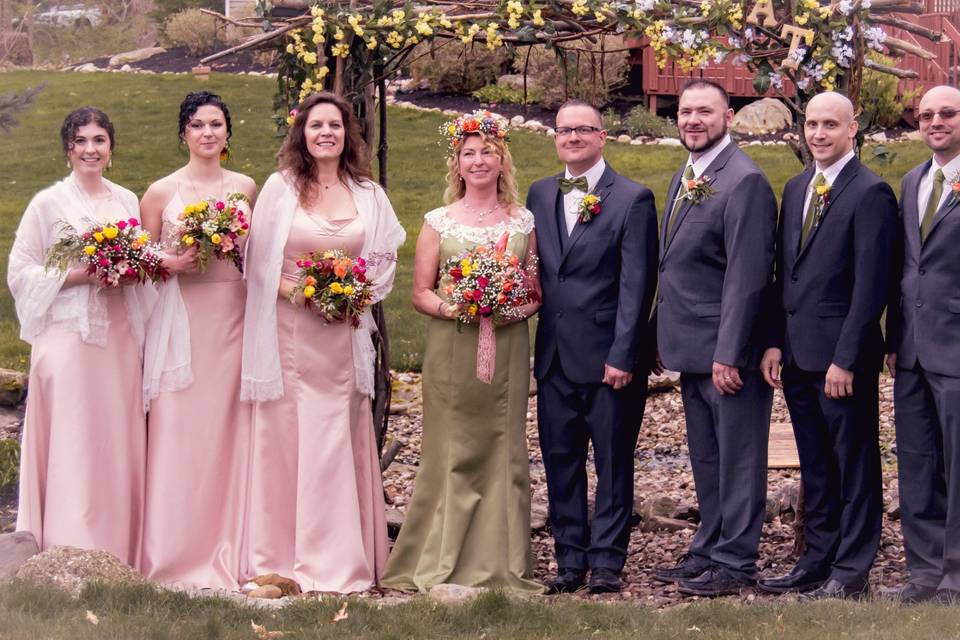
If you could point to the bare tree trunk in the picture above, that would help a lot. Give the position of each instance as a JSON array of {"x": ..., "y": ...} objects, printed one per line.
[{"x": 382, "y": 146}]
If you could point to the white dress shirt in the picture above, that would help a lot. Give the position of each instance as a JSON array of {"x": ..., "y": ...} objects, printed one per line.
[
  {"x": 951, "y": 170},
  {"x": 830, "y": 175},
  {"x": 572, "y": 200}
]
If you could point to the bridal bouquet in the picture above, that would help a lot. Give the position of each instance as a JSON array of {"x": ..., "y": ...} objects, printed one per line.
[
  {"x": 334, "y": 285},
  {"x": 113, "y": 252},
  {"x": 214, "y": 226},
  {"x": 488, "y": 284}
]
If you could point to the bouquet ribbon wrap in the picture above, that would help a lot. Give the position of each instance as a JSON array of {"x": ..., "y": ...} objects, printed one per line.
[{"x": 486, "y": 351}]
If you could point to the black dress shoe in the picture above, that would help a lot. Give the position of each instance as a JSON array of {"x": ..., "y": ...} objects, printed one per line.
[
  {"x": 947, "y": 597},
  {"x": 604, "y": 581},
  {"x": 690, "y": 566},
  {"x": 567, "y": 581},
  {"x": 913, "y": 593},
  {"x": 835, "y": 589},
  {"x": 797, "y": 581},
  {"x": 715, "y": 581}
]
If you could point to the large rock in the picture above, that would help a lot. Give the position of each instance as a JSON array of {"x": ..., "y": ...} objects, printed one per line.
[
  {"x": 15, "y": 549},
  {"x": 137, "y": 55},
  {"x": 453, "y": 593},
  {"x": 13, "y": 387},
  {"x": 763, "y": 116},
  {"x": 514, "y": 81},
  {"x": 71, "y": 569}
]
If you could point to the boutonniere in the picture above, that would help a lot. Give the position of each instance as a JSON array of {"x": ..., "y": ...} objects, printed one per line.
[
  {"x": 954, "y": 189},
  {"x": 588, "y": 208},
  {"x": 699, "y": 189},
  {"x": 822, "y": 194}
]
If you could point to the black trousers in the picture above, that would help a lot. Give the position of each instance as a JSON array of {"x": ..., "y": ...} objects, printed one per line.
[
  {"x": 570, "y": 416},
  {"x": 838, "y": 443},
  {"x": 727, "y": 436},
  {"x": 928, "y": 451}
]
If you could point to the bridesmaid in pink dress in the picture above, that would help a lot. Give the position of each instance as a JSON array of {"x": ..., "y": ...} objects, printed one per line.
[
  {"x": 316, "y": 498},
  {"x": 82, "y": 461},
  {"x": 199, "y": 431}
]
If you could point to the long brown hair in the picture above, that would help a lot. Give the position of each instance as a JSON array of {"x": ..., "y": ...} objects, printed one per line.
[{"x": 295, "y": 160}]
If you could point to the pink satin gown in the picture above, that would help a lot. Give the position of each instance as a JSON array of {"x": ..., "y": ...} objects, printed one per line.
[
  {"x": 316, "y": 497},
  {"x": 82, "y": 459},
  {"x": 198, "y": 447}
]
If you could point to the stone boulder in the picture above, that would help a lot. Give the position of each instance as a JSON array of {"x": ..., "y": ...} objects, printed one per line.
[
  {"x": 13, "y": 387},
  {"x": 137, "y": 55},
  {"x": 514, "y": 81},
  {"x": 453, "y": 593},
  {"x": 15, "y": 549},
  {"x": 763, "y": 116},
  {"x": 72, "y": 569}
]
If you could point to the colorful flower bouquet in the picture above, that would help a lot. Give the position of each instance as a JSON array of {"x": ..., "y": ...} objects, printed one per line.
[
  {"x": 334, "y": 285},
  {"x": 214, "y": 226},
  {"x": 488, "y": 284},
  {"x": 113, "y": 252}
]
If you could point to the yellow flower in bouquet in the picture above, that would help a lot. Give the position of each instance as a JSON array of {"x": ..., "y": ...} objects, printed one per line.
[{"x": 110, "y": 232}]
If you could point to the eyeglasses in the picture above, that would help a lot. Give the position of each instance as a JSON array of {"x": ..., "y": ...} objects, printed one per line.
[
  {"x": 582, "y": 131},
  {"x": 927, "y": 116}
]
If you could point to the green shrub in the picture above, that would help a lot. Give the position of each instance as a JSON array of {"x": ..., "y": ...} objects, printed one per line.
[
  {"x": 58, "y": 45},
  {"x": 640, "y": 122},
  {"x": 197, "y": 31},
  {"x": 500, "y": 94},
  {"x": 589, "y": 75},
  {"x": 163, "y": 9},
  {"x": 457, "y": 67},
  {"x": 9, "y": 463},
  {"x": 611, "y": 122},
  {"x": 881, "y": 107}
]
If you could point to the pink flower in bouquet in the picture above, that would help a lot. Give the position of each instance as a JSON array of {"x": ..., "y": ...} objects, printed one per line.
[
  {"x": 220, "y": 205},
  {"x": 483, "y": 282},
  {"x": 133, "y": 222},
  {"x": 122, "y": 224}
]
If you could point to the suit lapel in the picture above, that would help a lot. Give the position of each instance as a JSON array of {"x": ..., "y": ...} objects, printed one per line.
[
  {"x": 668, "y": 207},
  {"x": 944, "y": 209},
  {"x": 793, "y": 212},
  {"x": 552, "y": 231},
  {"x": 846, "y": 176},
  {"x": 713, "y": 172},
  {"x": 911, "y": 207},
  {"x": 602, "y": 190}
]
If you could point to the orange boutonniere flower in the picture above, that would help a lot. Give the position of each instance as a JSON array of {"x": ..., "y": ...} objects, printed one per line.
[
  {"x": 954, "y": 189},
  {"x": 589, "y": 207},
  {"x": 699, "y": 189}
]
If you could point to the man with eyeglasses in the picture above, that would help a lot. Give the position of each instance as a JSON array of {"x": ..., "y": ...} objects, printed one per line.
[
  {"x": 923, "y": 342},
  {"x": 597, "y": 240},
  {"x": 716, "y": 261}
]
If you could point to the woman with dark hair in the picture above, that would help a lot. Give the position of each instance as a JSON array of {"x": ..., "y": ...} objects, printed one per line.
[
  {"x": 82, "y": 461},
  {"x": 468, "y": 522},
  {"x": 316, "y": 498},
  {"x": 199, "y": 431}
]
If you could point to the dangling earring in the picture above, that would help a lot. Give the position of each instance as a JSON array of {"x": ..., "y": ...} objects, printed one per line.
[
  {"x": 110, "y": 163},
  {"x": 225, "y": 153},
  {"x": 69, "y": 166}
]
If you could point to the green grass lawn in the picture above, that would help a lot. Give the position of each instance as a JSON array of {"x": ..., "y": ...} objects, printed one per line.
[
  {"x": 134, "y": 613},
  {"x": 144, "y": 109}
]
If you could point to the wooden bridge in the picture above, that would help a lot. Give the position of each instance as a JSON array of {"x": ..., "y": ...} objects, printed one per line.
[{"x": 941, "y": 16}]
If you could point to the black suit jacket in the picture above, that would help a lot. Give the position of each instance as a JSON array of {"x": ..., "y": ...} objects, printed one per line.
[
  {"x": 715, "y": 267},
  {"x": 829, "y": 295},
  {"x": 923, "y": 321},
  {"x": 597, "y": 291}
]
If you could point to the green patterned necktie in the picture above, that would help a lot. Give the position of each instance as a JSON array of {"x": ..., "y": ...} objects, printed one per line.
[
  {"x": 818, "y": 181},
  {"x": 566, "y": 186},
  {"x": 678, "y": 201},
  {"x": 932, "y": 205}
]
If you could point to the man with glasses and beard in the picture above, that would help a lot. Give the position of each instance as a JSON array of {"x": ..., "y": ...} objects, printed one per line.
[
  {"x": 716, "y": 260},
  {"x": 597, "y": 240},
  {"x": 923, "y": 342}
]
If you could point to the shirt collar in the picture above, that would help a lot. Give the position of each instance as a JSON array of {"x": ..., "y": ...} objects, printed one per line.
[
  {"x": 831, "y": 172},
  {"x": 704, "y": 161},
  {"x": 592, "y": 174},
  {"x": 950, "y": 169}
]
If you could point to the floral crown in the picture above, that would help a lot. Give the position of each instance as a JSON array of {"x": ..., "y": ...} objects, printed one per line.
[{"x": 479, "y": 121}]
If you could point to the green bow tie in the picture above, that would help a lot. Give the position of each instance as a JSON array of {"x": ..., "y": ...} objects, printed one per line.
[{"x": 566, "y": 186}]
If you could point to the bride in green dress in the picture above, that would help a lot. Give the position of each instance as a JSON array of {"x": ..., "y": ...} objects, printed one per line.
[{"x": 469, "y": 520}]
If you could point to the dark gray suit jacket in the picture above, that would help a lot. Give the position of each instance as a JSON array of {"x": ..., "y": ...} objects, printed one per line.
[
  {"x": 598, "y": 291},
  {"x": 923, "y": 321},
  {"x": 715, "y": 267},
  {"x": 826, "y": 303}
]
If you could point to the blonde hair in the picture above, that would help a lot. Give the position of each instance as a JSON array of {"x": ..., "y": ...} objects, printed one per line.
[{"x": 507, "y": 192}]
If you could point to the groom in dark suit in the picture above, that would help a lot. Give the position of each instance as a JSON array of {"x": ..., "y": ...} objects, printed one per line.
[
  {"x": 716, "y": 261},
  {"x": 834, "y": 253},
  {"x": 597, "y": 239},
  {"x": 923, "y": 333}
]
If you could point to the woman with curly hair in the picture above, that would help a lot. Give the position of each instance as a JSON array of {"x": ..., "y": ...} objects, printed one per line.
[{"x": 316, "y": 499}]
